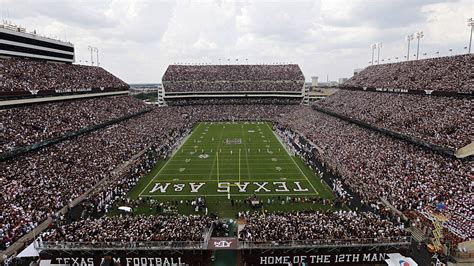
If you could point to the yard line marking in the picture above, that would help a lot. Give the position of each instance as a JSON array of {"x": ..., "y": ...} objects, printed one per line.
[
  {"x": 153, "y": 179},
  {"x": 217, "y": 149},
  {"x": 278, "y": 138},
  {"x": 229, "y": 180},
  {"x": 230, "y": 174},
  {"x": 225, "y": 195},
  {"x": 250, "y": 156},
  {"x": 239, "y": 166},
  {"x": 263, "y": 163},
  {"x": 246, "y": 154}
]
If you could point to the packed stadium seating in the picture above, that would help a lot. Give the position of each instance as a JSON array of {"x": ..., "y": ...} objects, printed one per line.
[
  {"x": 199, "y": 78},
  {"x": 375, "y": 165},
  {"x": 233, "y": 100},
  {"x": 36, "y": 185},
  {"x": 413, "y": 179},
  {"x": 232, "y": 72},
  {"x": 307, "y": 226},
  {"x": 446, "y": 121},
  {"x": 27, "y": 125},
  {"x": 27, "y": 77},
  {"x": 137, "y": 228},
  {"x": 234, "y": 86},
  {"x": 449, "y": 74},
  {"x": 410, "y": 177}
]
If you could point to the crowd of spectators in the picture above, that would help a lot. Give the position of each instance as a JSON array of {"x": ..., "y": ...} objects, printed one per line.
[
  {"x": 117, "y": 188},
  {"x": 26, "y": 125},
  {"x": 445, "y": 121},
  {"x": 307, "y": 226},
  {"x": 234, "y": 86},
  {"x": 234, "y": 100},
  {"x": 232, "y": 72},
  {"x": 451, "y": 74},
  {"x": 36, "y": 185},
  {"x": 226, "y": 78},
  {"x": 36, "y": 75},
  {"x": 375, "y": 165},
  {"x": 132, "y": 229}
]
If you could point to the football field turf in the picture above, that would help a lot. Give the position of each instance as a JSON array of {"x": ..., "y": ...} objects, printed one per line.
[{"x": 222, "y": 159}]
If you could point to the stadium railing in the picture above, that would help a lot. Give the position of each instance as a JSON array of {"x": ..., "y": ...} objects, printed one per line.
[
  {"x": 199, "y": 245},
  {"x": 67, "y": 135},
  {"x": 327, "y": 243},
  {"x": 116, "y": 245},
  {"x": 407, "y": 138}
]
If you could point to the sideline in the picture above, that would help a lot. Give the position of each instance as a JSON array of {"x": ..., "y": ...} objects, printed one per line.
[
  {"x": 293, "y": 159},
  {"x": 183, "y": 140}
]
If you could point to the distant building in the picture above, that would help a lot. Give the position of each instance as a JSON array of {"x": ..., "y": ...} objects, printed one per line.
[
  {"x": 327, "y": 84},
  {"x": 314, "y": 81},
  {"x": 342, "y": 80},
  {"x": 144, "y": 88},
  {"x": 320, "y": 93}
]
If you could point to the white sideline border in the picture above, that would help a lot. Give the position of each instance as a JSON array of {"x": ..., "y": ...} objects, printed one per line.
[
  {"x": 278, "y": 138},
  {"x": 170, "y": 159}
]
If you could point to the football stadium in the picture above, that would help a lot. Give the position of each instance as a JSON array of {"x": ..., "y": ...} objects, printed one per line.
[{"x": 233, "y": 164}]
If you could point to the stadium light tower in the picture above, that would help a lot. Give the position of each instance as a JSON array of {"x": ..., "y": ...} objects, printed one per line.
[
  {"x": 419, "y": 35},
  {"x": 470, "y": 23},
  {"x": 91, "y": 49},
  {"x": 372, "y": 47},
  {"x": 379, "y": 45},
  {"x": 97, "y": 55},
  {"x": 409, "y": 39}
]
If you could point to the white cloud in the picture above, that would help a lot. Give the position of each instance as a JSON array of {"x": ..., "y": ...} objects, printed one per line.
[{"x": 139, "y": 38}]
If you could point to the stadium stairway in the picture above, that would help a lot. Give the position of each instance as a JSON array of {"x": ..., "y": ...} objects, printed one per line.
[
  {"x": 240, "y": 225},
  {"x": 465, "y": 151},
  {"x": 417, "y": 234}
]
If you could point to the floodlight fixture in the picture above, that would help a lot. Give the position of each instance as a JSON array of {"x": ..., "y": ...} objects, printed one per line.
[
  {"x": 91, "y": 49},
  {"x": 470, "y": 23},
  {"x": 379, "y": 45},
  {"x": 419, "y": 35},
  {"x": 97, "y": 55},
  {"x": 410, "y": 38},
  {"x": 372, "y": 48}
]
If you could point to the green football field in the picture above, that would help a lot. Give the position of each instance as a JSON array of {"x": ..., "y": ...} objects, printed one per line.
[{"x": 227, "y": 159}]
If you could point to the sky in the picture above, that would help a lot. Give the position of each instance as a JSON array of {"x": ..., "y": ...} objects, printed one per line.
[{"x": 138, "y": 39}]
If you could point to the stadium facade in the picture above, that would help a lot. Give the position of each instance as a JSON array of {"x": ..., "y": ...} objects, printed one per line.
[
  {"x": 337, "y": 252},
  {"x": 241, "y": 83},
  {"x": 16, "y": 42}
]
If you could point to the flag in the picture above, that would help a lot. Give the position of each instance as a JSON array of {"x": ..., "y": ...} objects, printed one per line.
[{"x": 441, "y": 206}]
